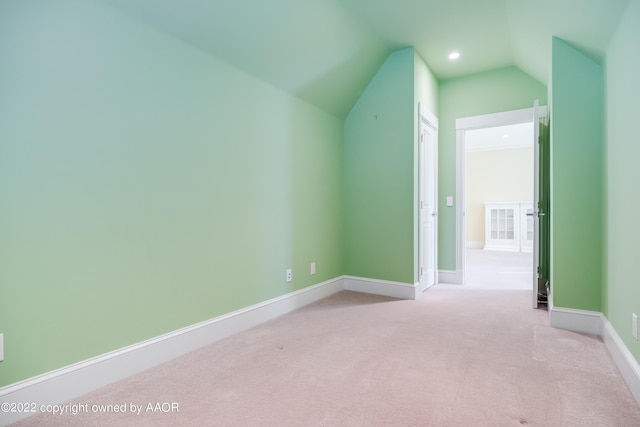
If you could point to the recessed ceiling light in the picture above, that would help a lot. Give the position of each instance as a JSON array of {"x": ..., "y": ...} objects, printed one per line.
[
  {"x": 454, "y": 55},
  {"x": 505, "y": 136}
]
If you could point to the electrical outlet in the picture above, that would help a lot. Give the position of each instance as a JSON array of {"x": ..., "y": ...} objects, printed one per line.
[
  {"x": 634, "y": 325},
  {"x": 313, "y": 268},
  {"x": 1, "y": 347},
  {"x": 289, "y": 275}
]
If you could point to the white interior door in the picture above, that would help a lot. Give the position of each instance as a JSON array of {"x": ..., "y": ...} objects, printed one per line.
[{"x": 428, "y": 202}]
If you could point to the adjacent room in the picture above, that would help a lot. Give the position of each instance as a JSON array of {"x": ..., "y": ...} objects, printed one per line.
[
  {"x": 499, "y": 187},
  {"x": 251, "y": 213}
]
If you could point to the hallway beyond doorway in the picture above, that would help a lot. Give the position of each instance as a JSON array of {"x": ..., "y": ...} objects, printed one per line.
[{"x": 498, "y": 269}]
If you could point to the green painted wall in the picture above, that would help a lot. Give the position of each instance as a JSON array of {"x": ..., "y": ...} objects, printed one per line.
[
  {"x": 577, "y": 135},
  {"x": 621, "y": 293},
  {"x": 426, "y": 90},
  {"x": 489, "y": 92},
  {"x": 380, "y": 170},
  {"x": 145, "y": 186},
  {"x": 378, "y": 175}
]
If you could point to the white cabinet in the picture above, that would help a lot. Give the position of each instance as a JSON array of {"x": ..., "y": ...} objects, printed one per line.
[{"x": 508, "y": 227}]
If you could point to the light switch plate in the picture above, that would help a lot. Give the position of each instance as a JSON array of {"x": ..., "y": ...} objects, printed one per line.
[
  {"x": 1, "y": 347},
  {"x": 449, "y": 200}
]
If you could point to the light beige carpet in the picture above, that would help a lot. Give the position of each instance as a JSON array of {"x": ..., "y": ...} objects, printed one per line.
[
  {"x": 498, "y": 269},
  {"x": 454, "y": 357}
]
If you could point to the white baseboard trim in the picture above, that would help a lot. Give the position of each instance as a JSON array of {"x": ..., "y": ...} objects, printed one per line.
[
  {"x": 473, "y": 245},
  {"x": 596, "y": 323},
  {"x": 381, "y": 287},
  {"x": 453, "y": 277},
  {"x": 589, "y": 322},
  {"x": 491, "y": 247},
  {"x": 627, "y": 364},
  {"x": 75, "y": 380},
  {"x": 420, "y": 288}
]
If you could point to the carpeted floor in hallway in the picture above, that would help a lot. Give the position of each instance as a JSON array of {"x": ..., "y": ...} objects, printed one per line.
[{"x": 457, "y": 356}]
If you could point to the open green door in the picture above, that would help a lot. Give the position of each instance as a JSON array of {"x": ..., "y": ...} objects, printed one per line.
[
  {"x": 540, "y": 214},
  {"x": 544, "y": 217}
]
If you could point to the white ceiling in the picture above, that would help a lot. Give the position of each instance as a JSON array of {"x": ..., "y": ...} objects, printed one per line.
[
  {"x": 499, "y": 138},
  {"x": 491, "y": 33},
  {"x": 326, "y": 51}
]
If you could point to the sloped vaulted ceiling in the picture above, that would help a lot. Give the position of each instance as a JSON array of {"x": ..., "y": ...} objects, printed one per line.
[{"x": 326, "y": 51}]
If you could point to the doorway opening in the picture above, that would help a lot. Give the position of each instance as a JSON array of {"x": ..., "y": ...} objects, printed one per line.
[
  {"x": 499, "y": 188},
  {"x": 509, "y": 223}
]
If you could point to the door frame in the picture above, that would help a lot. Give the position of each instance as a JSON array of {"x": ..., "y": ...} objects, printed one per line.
[
  {"x": 426, "y": 118},
  {"x": 463, "y": 125}
]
